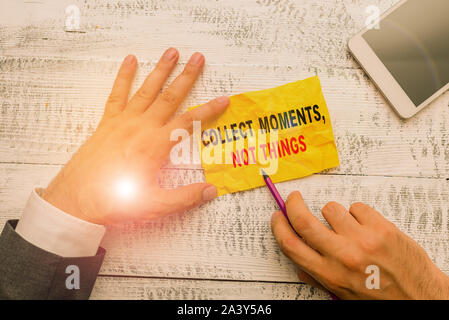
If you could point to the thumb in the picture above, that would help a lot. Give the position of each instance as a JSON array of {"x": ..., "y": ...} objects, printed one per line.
[{"x": 181, "y": 199}]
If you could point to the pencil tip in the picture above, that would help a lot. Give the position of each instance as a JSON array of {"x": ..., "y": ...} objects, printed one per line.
[{"x": 265, "y": 176}]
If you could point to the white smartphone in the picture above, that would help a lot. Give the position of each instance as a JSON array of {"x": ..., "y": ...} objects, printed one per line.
[{"x": 407, "y": 55}]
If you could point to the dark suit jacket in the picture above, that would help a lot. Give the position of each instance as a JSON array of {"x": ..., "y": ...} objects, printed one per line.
[{"x": 28, "y": 272}]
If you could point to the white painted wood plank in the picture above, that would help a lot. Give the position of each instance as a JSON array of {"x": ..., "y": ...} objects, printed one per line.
[
  {"x": 169, "y": 289},
  {"x": 53, "y": 85},
  {"x": 50, "y": 106},
  {"x": 264, "y": 32},
  {"x": 230, "y": 238}
]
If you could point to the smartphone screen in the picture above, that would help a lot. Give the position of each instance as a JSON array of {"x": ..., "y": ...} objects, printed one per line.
[{"x": 413, "y": 43}]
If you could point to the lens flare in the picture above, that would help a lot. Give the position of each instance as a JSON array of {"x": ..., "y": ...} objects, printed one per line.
[{"x": 125, "y": 188}]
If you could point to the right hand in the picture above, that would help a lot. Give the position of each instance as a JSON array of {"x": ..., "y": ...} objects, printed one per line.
[{"x": 337, "y": 258}]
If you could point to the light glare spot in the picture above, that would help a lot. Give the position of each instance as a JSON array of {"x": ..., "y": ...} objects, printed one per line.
[{"x": 126, "y": 188}]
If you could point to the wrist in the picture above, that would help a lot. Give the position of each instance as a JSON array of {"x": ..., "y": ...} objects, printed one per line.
[
  {"x": 60, "y": 195},
  {"x": 438, "y": 287}
]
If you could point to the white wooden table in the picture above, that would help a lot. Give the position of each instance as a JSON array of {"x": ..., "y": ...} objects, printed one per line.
[{"x": 53, "y": 86}]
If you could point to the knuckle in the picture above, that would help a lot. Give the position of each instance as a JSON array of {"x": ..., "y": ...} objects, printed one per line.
[
  {"x": 388, "y": 231},
  {"x": 287, "y": 244},
  {"x": 144, "y": 93},
  {"x": 190, "y": 71},
  {"x": 188, "y": 119},
  {"x": 163, "y": 67},
  {"x": 352, "y": 260},
  {"x": 329, "y": 207},
  {"x": 191, "y": 201},
  {"x": 357, "y": 206},
  {"x": 169, "y": 97},
  {"x": 302, "y": 224},
  {"x": 127, "y": 131},
  {"x": 114, "y": 99},
  {"x": 372, "y": 244}
]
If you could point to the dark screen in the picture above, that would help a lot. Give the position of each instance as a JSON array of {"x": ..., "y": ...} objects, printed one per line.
[{"x": 413, "y": 43}]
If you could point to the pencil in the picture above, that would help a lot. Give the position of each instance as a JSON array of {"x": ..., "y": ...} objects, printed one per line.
[{"x": 275, "y": 193}]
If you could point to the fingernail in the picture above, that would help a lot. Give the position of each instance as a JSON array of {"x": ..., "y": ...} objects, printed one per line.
[
  {"x": 170, "y": 54},
  {"x": 224, "y": 100},
  {"x": 210, "y": 193},
  {"x": 196, "y": 59},
  {"x": 129, "y": 59}
]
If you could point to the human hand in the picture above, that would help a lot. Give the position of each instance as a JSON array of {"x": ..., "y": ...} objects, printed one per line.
[
  {"x": 113, "y": 176},
  {"x": 337, "y": 258}
]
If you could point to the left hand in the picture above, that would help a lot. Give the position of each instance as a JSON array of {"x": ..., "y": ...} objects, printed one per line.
[{"x": 113, "y": 176}]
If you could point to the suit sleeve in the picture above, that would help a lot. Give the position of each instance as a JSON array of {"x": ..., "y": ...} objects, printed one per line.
[{"x": 28, "y": 272}]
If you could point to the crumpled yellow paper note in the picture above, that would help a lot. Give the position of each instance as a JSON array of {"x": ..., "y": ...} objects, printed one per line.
[{"x": 284, "y": 130}]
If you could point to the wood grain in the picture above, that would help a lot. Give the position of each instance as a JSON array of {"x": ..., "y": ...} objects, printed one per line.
[
  {"x": 163, "y": 289},
  {"x": 230, "y": 238},
  {"x": 261, "y": 32},
  {"x": 53, "y": 85},
  {"x": 50, "y": 106}
]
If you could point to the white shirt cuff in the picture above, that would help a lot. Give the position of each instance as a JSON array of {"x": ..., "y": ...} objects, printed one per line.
[{"x": 55, "y": 231}]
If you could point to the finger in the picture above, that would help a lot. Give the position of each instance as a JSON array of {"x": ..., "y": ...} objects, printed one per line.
[
  {"x": 204, "y": 113},
  {"x": 292, "y": 246},
  {"x": 120, "y": 89},
  {"x": 169, "y": 100},
  {"x": 364, "y": 214},
  {"x": 339, "y": 218},
  {"x": 316, "y": 234},
  {"x": 154, "y": 82},
  {"x": 183, "y": 198}
]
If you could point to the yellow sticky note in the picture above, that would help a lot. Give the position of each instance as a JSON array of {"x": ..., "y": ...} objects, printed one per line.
[{"x": 284, "y": 130}]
